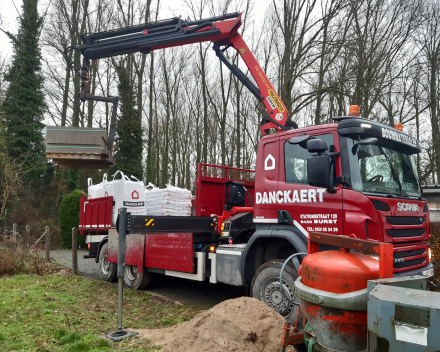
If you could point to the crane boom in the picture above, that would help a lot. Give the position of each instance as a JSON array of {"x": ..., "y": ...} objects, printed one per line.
[{"x": 221, "y": 30}]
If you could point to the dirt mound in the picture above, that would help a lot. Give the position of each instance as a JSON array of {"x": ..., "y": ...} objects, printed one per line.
[{"x": 241, "y": 324}]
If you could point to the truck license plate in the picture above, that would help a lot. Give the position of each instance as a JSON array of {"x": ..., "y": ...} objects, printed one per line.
[{"x": 429, "y": 272}]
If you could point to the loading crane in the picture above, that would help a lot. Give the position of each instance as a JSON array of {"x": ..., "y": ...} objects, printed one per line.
[{"x": 222, "y": 31}]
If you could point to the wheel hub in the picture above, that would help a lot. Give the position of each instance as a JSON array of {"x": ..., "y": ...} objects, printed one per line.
[
  {"x": 275, "y": 298},
  {"x": 131, "y": 272},
  {"x": 105, "y": 265}
]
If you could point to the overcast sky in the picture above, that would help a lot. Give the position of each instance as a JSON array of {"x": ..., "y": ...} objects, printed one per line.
[{"x": 9, "y": 14}]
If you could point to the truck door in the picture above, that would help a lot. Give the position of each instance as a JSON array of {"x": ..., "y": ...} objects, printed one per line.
[{"x": 312, "y": 208}]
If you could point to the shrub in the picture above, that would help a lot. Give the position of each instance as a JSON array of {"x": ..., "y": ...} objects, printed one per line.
[
  {"x": 7, "y": 261},
  {"x": 16, "y": 258},
  {"x": 435, "y": 242},
  {"x": 69, "y": 217}
]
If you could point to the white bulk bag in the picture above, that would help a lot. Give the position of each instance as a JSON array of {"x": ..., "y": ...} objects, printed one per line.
[
  {"x": 107, "y": 187},
  {"x": 94, "y": 191},
  {"x": 128, "y": 194},
  {"x": 137, "y": 180}
]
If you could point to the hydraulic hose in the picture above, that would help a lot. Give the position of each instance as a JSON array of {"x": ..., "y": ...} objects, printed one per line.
[{"x": 281, "y": 275}]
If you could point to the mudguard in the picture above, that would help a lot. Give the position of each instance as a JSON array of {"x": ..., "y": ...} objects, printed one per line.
[
  {"x": 290, "y": 232},
  {"x": 103, "y": 241}
]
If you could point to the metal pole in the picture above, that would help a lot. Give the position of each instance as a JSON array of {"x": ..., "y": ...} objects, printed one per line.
[
  {"x": 74, "y": 252},
  {"x": 47, "y": 244},
  {"x": 121, "y": 261},
  {"x": 120, "y": 293},
  {"x": 120, "y": 334}
]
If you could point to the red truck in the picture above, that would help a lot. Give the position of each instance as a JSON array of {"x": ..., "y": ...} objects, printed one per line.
[
  {"x": 283, "y": 205},
  {"x": 352, "y": 177}
]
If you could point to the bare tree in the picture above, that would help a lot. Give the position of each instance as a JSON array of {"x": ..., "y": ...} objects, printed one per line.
[
  {"x": 296, "y": 44},
  {"x": 429, "y": 41},
  {"x": 380, "y": 30}
]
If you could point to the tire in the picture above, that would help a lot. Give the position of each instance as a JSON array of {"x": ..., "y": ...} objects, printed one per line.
[
  {"x": 138, "y": 281},
  {"x": 107, "y": 271},
  {"x": 265, "y": 287}
]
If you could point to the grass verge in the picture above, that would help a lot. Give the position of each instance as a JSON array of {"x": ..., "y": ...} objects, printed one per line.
[{"x": 69, "y": 313}]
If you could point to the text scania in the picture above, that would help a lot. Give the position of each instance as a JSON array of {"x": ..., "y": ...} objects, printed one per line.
[
  {"x": 303, "y": 196},
  {"x": 407, "y": 207}
]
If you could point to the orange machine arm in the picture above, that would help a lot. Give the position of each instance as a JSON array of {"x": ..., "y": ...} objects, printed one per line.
[{"x": 222, "y": 31}]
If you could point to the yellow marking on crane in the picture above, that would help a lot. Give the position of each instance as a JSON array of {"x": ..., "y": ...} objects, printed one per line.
[
  {"x": 148, "y": 222},
  {"x": 242, "y": 51}
]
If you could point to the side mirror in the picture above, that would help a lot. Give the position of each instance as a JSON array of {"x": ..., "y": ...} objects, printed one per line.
[
  {"x": 319, "y": 169},
  {"x": 316, "y": 146},
  {"x": 299, "y": 139}
]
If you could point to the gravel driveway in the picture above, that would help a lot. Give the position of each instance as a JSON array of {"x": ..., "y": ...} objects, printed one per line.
[
  {"x": 86, "y": 267},
  {"x": 202, "y": 295}
]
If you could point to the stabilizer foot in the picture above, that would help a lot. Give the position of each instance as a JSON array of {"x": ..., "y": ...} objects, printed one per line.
[{"x": 120, "y": 334}]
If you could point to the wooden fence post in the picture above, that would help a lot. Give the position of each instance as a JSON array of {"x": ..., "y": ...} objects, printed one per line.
[
  {"x": 27, "y": 236},
  {"x": 47, "y": 244},
  {"x": 74, "y": 252},
  {"x": 14, "y": 232}
]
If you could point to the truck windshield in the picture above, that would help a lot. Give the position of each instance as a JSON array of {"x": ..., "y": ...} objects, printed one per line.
[{"x": 378, "y": 169}]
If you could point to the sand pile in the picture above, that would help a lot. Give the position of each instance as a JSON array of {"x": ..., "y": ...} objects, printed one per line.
[{"x": 241, "y": 324}]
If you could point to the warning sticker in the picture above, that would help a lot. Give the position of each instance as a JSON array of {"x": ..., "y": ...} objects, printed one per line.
[
  {"x": 276, "y": 100},
  {"x": 271, "y": 103},
  {"x": 242, "y": 51}
]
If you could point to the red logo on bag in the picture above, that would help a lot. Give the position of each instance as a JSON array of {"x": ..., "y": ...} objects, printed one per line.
[
  {"x": 135, "y": 195},
  {"x": 106, "y": 194}
]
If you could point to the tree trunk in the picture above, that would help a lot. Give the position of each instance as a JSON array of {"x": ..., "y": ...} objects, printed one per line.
[
  {"x": 205, "y": 105},
  {"x": 66, "y": 90},
  {"x": 150, "y": 124}
]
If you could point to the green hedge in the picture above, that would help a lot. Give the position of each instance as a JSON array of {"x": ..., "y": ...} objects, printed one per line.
[{"x": 69, "y": 217}]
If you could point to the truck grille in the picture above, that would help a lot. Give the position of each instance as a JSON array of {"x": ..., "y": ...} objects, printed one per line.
[
  {"x": 406, "y": 232},
  {"x": 408, "y": 263},
  {"x": 409, "y": 253},
  {"x": 403, "y": 259},
  {"x": 405, "y": 220}
]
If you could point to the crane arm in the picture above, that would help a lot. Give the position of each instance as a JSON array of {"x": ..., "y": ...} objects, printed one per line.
[{"x": 222, "y": 31}]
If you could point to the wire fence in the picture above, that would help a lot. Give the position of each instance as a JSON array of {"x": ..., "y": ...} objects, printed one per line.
[
  {"x": 29, "y": 236},
  {"x": 24, "y": 241}
]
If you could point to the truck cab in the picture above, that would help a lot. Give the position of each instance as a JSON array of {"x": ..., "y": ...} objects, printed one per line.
[{"x": 369, "y": 186}]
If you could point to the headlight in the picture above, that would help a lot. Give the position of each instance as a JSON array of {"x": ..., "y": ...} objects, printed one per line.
[{"x": 429, "y": 254}]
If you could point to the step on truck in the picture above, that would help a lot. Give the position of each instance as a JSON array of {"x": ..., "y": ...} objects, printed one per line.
[{"x": 352, "y": 177}]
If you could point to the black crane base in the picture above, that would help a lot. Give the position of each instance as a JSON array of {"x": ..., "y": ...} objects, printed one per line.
[{"x": 118, "y": 335}]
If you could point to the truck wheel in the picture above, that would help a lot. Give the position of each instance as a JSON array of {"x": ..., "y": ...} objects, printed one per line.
[
  {"x": 265, "y": 287},
  {"x": 107, "y": 270},
  {"x": 138, "y": 281}
]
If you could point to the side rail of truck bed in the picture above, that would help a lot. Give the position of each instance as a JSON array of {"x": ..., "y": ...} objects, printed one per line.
[
  {"x": 210, "y": 187},
  {"x": 95, "y": 215}
]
